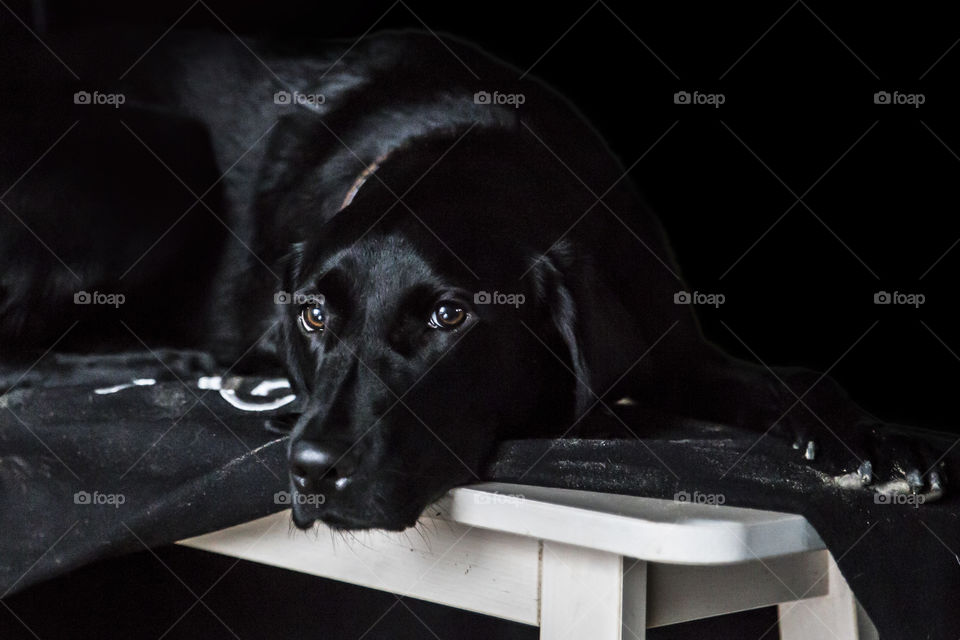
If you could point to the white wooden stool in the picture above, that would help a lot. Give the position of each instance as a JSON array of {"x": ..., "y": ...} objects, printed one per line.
[{"x": 579, "y": 564}]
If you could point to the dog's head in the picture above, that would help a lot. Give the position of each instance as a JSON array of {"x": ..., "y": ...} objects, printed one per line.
[{"x": 427, "y": 328}]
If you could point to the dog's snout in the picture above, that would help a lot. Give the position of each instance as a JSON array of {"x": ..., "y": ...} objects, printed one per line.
[{"x": 321, "y": 466}]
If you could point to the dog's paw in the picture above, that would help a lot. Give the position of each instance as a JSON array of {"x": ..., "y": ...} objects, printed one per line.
[{"x": 901, "y": 467}]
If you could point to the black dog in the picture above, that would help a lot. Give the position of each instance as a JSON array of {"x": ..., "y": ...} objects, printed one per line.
[{"x": 441, "y": 255}]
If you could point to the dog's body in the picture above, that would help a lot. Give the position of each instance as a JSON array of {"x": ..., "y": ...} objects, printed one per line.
[{"x": 372, "y": 203}]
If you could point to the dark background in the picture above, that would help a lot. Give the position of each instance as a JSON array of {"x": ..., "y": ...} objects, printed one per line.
[
  {"x": 799, "y": 80},
  {"x": 799, "y": 98}
]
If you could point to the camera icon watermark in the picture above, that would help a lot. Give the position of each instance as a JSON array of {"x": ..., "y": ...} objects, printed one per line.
[
  {"x": 696, "y": 297},
  {"x": 96, "y": 298},
  {"x": 508, "y": 499},
  {"x": 511, "y": 299},
  {"x": 696, "y": 97},
  {"x": 512, "y": 99},
  {"x": 909, "y": 499},
  {"x": 899, "y": 298},
  {"x": 96, "y": 98},
  {"x": 909, "y": 99},
  {"x": 299, "y": 299},
  {"x": 296, "y": 97},
  {"x": 713, "y": 499},
  {"x": 285, "y": 498},
  {"x": 99, "y": 499}
]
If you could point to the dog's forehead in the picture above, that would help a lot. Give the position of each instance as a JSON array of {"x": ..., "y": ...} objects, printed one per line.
[{"x": 384, "y": 263}]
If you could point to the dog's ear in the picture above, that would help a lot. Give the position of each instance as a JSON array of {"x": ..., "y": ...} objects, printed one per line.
[{"x": 587, "y": 319}]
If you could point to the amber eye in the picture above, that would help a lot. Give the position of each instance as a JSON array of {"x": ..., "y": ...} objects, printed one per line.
[
  {"x": 311, "y": 318},
  {"x": 447, "y": 315}
]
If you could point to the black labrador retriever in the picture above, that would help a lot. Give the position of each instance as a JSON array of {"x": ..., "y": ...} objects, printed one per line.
[{"x": 440, "y": 253}]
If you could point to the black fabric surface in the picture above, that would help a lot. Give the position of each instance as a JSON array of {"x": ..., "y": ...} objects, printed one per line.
[{"x": 186, "y": 462}]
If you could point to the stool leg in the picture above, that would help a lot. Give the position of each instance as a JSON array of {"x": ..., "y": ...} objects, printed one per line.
[
  {"x": 581, "y": 594},
  {"x": 634, "y": 599},
  {"x": 835, "y": 615}
]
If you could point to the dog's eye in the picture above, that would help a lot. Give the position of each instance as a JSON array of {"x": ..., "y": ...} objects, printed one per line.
[
  {"x": 311, "y": 318},
  {"x": 447, "y": 315}
]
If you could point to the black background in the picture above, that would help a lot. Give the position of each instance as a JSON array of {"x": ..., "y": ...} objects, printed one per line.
[{"x": 799, "y": 80}]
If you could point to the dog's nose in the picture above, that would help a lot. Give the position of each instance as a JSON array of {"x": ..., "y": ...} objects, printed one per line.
[{"x": 320, "y": 466}]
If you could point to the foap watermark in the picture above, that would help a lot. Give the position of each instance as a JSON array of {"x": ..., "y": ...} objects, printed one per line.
[
  {"x": 512, "y": 299},
  {"x": 509, "y": 499},
  {"x": 898, "y": 297},
  {"x": 697, "y": 97},
  {"x": 289, "y": 499},
  {"x": 299, "y": 299},
  {"x": 910, "y": 499},
  {"x": 512, "y": 99},
  {"x": 714, "y": 499},
  {"x": 110, "y": 299},
  {"x": 97, "y": 98},
  {"x": 896, "y": 97},
  {"x": 98, "y": 499},
  {"x": 297, "y": 97},
  {"x": 697, "y": 297}
]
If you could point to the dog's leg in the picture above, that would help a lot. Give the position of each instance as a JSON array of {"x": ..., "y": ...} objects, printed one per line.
[{"x": 808, "y": 411}]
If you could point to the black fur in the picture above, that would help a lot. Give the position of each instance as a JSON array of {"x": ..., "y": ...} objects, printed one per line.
[{"x": 470, "y": 198}]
